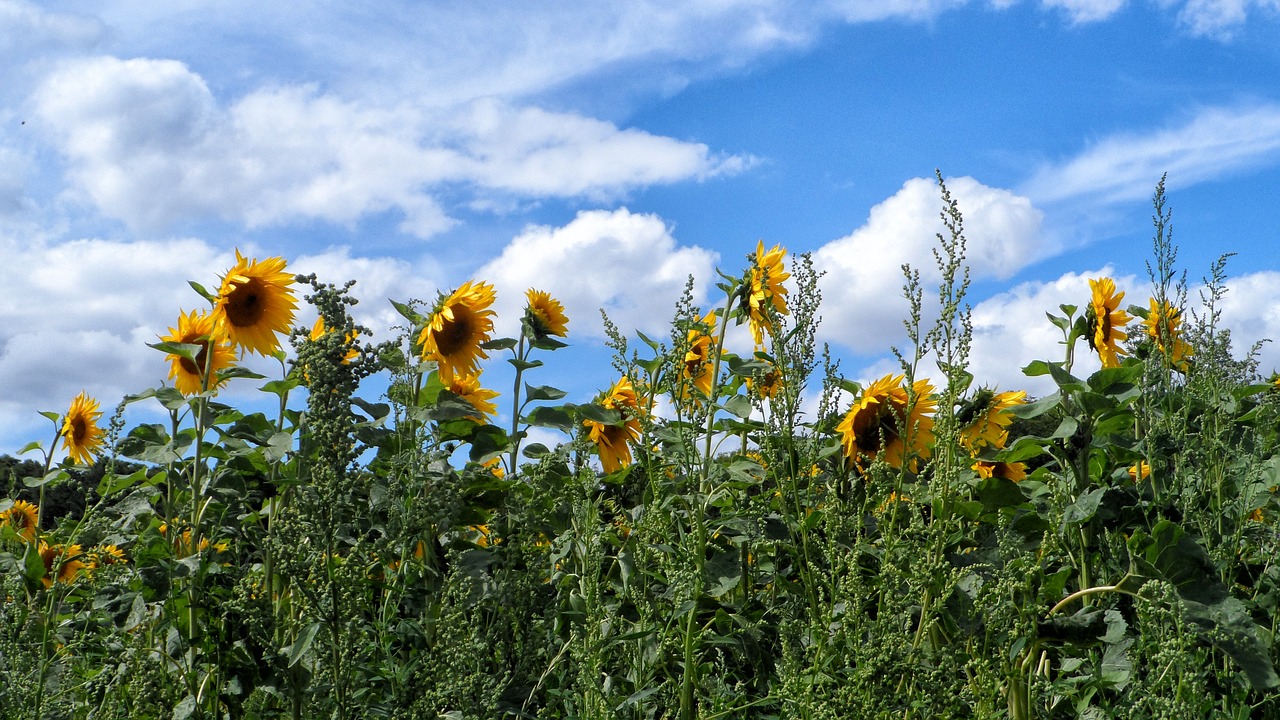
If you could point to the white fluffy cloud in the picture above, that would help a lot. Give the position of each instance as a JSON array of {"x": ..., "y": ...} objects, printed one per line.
[
  {"x": 1083, "y": 11},
  {"x": 147, "y": 142},
  {"x": 1221, "y": 18},
  {"x": 862, "y": 301},
  {"x": 626, "y": 263},
  {"x": 1215, "y": 142}
]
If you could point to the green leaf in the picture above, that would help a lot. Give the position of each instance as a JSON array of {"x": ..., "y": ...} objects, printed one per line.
[
  {"x": 1036, "y": 408},
  {"x": 600, "y": 414},
  {"x": 499, "y": 344},
  {"x": 1024, "y": 448},
  {"x": 52, "y": 476},
  {"x": 488, "y": 441},
  {"x": 302, "y": 644},
  {"x": 204, "y": 293},
  {"x": 112, "y": 484},
  {"x": 279, "y": 387},
  {"x": 523, "y": 365},
  {"x": 1065, "y": 429},
  {"x": 408, "y": 313},
  {"x": 236, "y": 371},
  {"x": 33, "y": 445},
  {"x": 1065, "y": 380},
  {"x": 542, "y": 392},
  {"x": 533, "y": 451},
  {"x": 723, "y": 572},
  {"x": 188, "y": 351},
  {"x": 1084, "y": 508},
  {"x": 552, "y": 416},
  {"x": 739, "y": 405}
]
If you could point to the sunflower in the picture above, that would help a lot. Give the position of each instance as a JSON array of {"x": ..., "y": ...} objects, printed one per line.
[
  {"x": 62, "y": 563},
  {"x": 984, "y": 420},
  {"x": 255, "y": 303},
  {"x": 106, "y": 555},
  {"x": 894, "y": 497},
  {"x": 1105, "y": 319},
  {"x": 1140, "y": 471},
  {"x": 544, "y": 316},
  {"x": 1164, "y": 327},
  {"x": 24, "y": 518},
  {"x": 611, "y": 440},
  {"x": 460, "y": 324},
  {"x": 883, "y": 421},
  {"x": 80, "y": 431},
  {"x": 698, "y": 363},
  {"x": 767, "y": 290},
  {"x": 468, "y": 388},
  {"x": 1015, "y": 471},
  {"x": 319, "y": 330},
  {"x": 766, "y": 384},
  {"x": 197, "y": 328}
]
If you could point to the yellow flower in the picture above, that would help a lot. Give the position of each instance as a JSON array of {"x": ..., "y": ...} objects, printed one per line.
[
  {"x": 468, "y": 388},
  {"x": 319, "y": 330},
  {"x": 460, "y": 324},
  {"x": 767, "y": 291},
  {"x": 611, "y": 440},
  {"x": 1105, "y": 319},
  {"x": 881, "y": 422},
  {"x": 484, "y": 536},
  {"x": 984, "y": 420},
  {"x": 698, "y": 363},
  {"x": 1164, "y": 327},
  {"x": 80, "y": 431},
  {"x": 894, "y": 497},
  {"x": 23, "y": 516},
  {"x": 1256, "y": 516},
  {"x": 1016, "y": 472},
  {"x": 1139, "y": 471},
  {"x": 494, "y": 465},
  {"x": 255, "y": 303},
  {"x": 768, "y": 385},
  {"x": 106, "y": 555},
  {"x": 544, "y": 315},
  {"x": 197, "y": 328},
  {"x": 61, "y": 564}
]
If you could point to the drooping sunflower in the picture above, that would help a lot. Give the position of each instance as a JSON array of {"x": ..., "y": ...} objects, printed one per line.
[
  {"x": 611, "y": 440},
  {"x": 1105, "y": 319},
  {"x": 198, "y": 328},
  {"x": 468, "y": 388},
  {"x": 1164, "y": 327},
  {"x": 460, "y": 324},
  {"x": 767, "y": 290},
  {"x": 984, "y": 419},
  {"x": 544, "y": 315},
  {"x": 23, "y": 517},
  {"x": 698, "y": 363},
  {"x": 256, "y": 303},
  {"x": 80, "y": 431},
  {"x": 318, "y": 330},
  {"x": 1015, "y": 471},
  {"x": 62, "y": 563},
  {"x": 884, "y": 421}
]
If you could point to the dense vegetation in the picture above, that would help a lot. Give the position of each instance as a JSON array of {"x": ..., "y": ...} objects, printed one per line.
[{"x": 725, "y": 532}]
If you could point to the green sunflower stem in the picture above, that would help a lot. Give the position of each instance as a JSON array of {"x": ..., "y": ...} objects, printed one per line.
[{"x": 521, "y": 356}]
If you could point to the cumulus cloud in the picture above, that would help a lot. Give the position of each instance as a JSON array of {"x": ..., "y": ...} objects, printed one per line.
[
  {"x": 1251, "y": 311},
  {"x": 1083, "y": 11},
  {"x": 378, "y": 280},
  {"x": 1215, "y": 142},
  {"x": 862, "y": 300},
  {"x": 627, "y": 263},
  {"x": 148, "y": 143},
  {"x": 1220, "y": 19}
]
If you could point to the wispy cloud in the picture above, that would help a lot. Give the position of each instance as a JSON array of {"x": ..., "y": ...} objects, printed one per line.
[{"x": 1214, "y": 143}]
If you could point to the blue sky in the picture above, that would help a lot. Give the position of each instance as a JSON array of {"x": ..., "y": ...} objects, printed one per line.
[{"x": 603, "y": 152}]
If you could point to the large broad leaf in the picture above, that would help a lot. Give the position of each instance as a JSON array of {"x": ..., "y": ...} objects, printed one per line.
[{"x": 1169, "y": 554}]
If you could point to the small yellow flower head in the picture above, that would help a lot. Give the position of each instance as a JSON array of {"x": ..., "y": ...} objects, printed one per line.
[
  {"x": 1140, "y": 471},
  {"x": 494, "y": 465},
  {"x": 611, "y": 440},
  {"x": 985, "y": 419},
  {"x": 894, "y": 497},
  {"x": 767, "y": 290},
  {"x": 1105, "y": 319},
  {"x": 468, "y": 388},
  {"x": 80, "y": 432},
  {"x": 318, "y": 330},
  {"x": 22, "y": 517},
  {"x": 255, "y": 304},
  {"x": 198, "y": 328},
  {"x": 883, "y": 420},
  {"x": 1016, "y": 472},
  {"x": 544, "y": 315},
  {"x": 1164, "y": 327},
  {"x": 62, "y": 563},
  {"x": 106, "y": 555},
  {"x": 698, "y": 363},
  {"x": 460, "y": 324}
]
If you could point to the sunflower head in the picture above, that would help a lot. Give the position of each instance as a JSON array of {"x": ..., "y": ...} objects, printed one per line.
[
  {"x": 1105, "y": 318},
  {"x": 62, "y": 563},
  {"x": 885, "y": 421},
  {"x": 458, "y": 326},
  {"x": 106, "y": 555},
  {"x": 544, "y": 316},
  {"x": 1139, "y": 472},
  {"x": 1164, "y": 328},
  {"x": 24, "y": 518},
  {"x": 767, "y": 296},
  {"x": 468, "y": 388},
  {"x": 612, "y": 440},
  {"x": 198, "y": 328},
  {"x": 255, "y": 304},
  {"x": 766, "y": 384},
  {"x": 80, "y": 432},
  {"x": 985, "y": 418},
  {"x": 1015, "y": 471},
  {"x": 699, "y": 366}
]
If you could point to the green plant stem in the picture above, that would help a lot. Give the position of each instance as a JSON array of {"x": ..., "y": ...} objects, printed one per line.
[{"x": 521, "y": 358}]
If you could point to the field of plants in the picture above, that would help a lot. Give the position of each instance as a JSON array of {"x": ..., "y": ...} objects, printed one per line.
[{"x": 703, "y": 544}]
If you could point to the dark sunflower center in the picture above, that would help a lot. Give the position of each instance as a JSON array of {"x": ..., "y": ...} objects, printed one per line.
[
  {"x": 79, "y": 430},
  {"x": 202, "y": 358},
  {"x": 245, "y": 307},
  {"x": 456, "y": 334},
  {"x": 1105, "y": 319}
]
